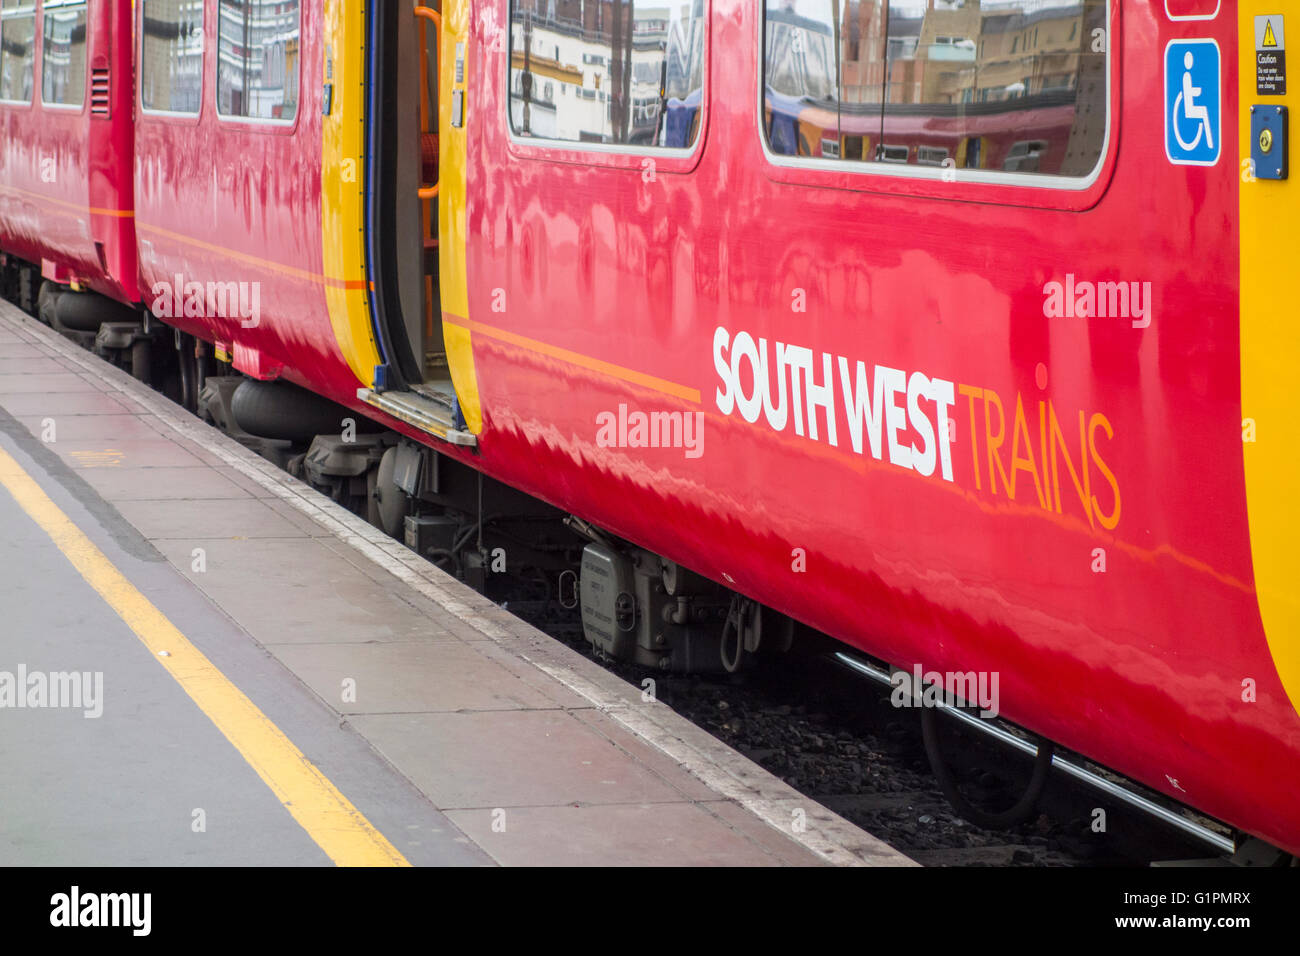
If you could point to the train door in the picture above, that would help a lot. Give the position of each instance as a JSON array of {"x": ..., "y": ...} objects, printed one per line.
[
  {"x": 402, "y": 216},
  {"x": 414, "y": 93}
]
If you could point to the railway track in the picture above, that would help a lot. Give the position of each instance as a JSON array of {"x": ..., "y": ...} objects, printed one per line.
[{"x": 861, "y": 757}]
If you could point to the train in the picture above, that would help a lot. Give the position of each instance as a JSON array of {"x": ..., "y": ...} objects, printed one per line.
[{"x": 914, "y": 323}]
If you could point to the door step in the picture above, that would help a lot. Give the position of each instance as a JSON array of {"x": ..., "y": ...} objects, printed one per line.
[
  {"x": 440, "y": 391},
  {"x": 426, "y": 414}
]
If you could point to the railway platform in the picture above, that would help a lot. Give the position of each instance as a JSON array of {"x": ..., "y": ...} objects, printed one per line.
[{"x": 205, "y": 662}]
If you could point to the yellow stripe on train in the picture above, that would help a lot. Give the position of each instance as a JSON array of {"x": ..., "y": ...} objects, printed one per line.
[{"x": 1270, "y": 291}]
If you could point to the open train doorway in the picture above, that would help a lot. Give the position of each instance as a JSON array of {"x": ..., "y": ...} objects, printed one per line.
[
  {"x": 402, "y": 195},
  {"x": 428, "y": 40},
  {"x": 414, "y": 380}
]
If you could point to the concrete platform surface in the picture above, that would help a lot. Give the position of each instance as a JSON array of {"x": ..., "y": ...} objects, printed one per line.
[{"x": 281, "y": 683}]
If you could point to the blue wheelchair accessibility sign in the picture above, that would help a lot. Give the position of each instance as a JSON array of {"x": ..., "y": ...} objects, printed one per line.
[{"x": 1193, "y": 102}]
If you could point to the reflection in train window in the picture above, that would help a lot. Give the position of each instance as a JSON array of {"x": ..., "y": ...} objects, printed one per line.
[
  {"x": 257, "y": 59},
  {"x": 63, "y": 56},
  {"x": 802, "y": 77},
  {"x": 17, "y": 50},
  {"x": 615, "y": 72},
  {"x": 1025, "y": 156},
  {"x": 171, "y": 55},
  {"x": 1014, "y": 86},
  {"x": 930, "y": 155}
]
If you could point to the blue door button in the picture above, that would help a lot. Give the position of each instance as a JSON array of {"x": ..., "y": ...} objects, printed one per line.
[{"x": 1268, "y": 141}]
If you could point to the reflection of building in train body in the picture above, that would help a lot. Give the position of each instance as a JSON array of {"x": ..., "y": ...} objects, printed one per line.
[
  {"x": 603, "y": 71},
  {"x": 999, "y": 84}
]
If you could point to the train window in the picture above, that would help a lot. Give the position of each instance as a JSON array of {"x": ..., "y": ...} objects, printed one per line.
[
  {"x": 171, "y": 56},
  {"x": 17, "y": 50},
  {"x": 1001, "y": 87},
  {"x": 63, "y": 56},
  {"x": 931, "y": 155},
  {"x": 614, "y": 73},
  {"x": 257, "y": 59},
  {"x": 1019, "y": 75},
  {"x": 805, "y": 109}
]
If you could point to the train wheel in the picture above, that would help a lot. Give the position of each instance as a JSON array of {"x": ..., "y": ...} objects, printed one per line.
[{"x": 389, "y": 510}]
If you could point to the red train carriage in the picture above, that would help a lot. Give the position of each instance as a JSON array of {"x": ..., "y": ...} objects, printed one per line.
[
  {"x": 228, "y": 180},
  {"x": 65, "y": 124},
  {"x": 982, "y": 415},
  {"x": 966, "y": 462}
]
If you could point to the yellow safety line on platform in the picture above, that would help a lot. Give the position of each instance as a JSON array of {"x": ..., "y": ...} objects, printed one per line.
[{"x": 329, "y": 818}]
